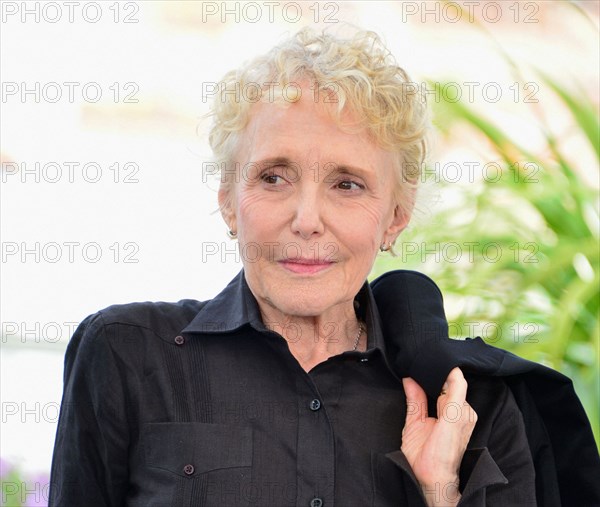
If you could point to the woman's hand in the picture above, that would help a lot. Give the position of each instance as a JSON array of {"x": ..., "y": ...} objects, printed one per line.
[{"x": 434, "y": 447}]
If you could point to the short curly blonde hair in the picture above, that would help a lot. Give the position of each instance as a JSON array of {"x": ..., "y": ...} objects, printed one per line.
[{"x": 366, "y": 81}]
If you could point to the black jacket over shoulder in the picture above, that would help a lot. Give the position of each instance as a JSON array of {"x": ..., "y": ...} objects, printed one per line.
[{"x": 560, "y": 438}]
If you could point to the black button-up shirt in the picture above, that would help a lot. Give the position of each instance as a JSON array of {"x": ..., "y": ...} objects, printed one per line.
[{"x": 202, "y": 404}]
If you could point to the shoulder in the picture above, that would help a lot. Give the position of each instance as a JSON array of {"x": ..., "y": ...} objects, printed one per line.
[
  {"x": 150, "y": 314},
  {"x": 129, "y": 323},
  {"x": 131, "y": 332}
]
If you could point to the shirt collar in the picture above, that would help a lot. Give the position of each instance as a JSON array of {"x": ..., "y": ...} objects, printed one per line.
[{"x": 236, "y": 307}]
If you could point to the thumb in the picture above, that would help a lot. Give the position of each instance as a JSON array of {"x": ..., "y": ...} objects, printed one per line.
[{"x": 416, "y": 400}]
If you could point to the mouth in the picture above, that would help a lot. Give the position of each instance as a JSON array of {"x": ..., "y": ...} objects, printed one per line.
[{"x": 305, "y": 266}]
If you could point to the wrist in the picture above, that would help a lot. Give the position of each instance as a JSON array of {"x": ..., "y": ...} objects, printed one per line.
[{"x": 443, "y": 493}]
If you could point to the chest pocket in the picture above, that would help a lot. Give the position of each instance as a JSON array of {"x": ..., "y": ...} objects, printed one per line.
[{"x": 200, "y": 463}]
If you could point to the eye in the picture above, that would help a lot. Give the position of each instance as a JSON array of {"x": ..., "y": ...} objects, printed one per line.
[
  {"x": 272, "y": 179},
  {"x": 349, "y": 185}
]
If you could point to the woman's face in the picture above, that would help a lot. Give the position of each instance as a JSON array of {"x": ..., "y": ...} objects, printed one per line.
[{"x": 311, "y": 205}]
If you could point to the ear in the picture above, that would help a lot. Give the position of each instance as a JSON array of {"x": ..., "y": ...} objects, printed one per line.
[
  {"x": 398, "y": 223},
  {"x": 226, "y": 207}
]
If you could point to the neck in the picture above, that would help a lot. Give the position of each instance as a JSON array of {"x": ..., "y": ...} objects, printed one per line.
[{"x": 313, "y": 339}]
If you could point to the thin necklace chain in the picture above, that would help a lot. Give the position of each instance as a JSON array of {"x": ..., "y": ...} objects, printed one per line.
[{"x": 360, "y": 330}]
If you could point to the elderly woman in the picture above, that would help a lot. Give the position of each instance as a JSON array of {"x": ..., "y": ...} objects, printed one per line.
[{"x": 279, "y": 391}]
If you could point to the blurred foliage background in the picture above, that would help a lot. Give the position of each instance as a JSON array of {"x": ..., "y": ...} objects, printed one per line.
[{"x": 515, "y": 250}]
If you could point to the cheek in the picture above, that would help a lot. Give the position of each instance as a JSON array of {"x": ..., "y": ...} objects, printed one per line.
[
  {"x": 255, "y": 216},
  {"x": 365, "y": 224}
]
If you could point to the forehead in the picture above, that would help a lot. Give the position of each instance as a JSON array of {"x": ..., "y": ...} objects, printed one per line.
[{"x": 308, "y": 132}]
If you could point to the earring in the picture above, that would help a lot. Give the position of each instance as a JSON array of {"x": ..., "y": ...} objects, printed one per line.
[
  {"x": 231, "y": 234},
  {"x": 384, "y": 247}
]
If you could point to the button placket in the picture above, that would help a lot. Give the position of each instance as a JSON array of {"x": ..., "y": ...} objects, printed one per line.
[{"x": 316, "y": 455}]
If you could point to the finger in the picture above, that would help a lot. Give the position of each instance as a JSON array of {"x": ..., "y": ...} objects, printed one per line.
[
  {"x": 453, "y": 405},
  {"x": 456, "y": 390},
  {"x": 416, "y": 400}
]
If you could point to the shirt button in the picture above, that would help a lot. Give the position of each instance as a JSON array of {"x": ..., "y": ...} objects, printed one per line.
[
  {"x": 315, "y": 405},
  {"x": 188, "y": 469},
  {"x": 316, "y": 502},
  {"x": 179, "y": 340}
]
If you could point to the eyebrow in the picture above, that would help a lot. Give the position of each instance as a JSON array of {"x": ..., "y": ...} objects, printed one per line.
[
  {"x": 286, "y": 161},
  {"x": 272, "y": 161}
]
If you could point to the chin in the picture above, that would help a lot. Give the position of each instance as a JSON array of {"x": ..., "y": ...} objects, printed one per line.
[
  {"x": 301, "y": 304},
  {"x": 299, "y": 307},
  {"x": 308, "y": 296}
]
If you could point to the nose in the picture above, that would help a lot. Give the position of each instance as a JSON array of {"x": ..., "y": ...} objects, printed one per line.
[{"x": 308, "y": 220}]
